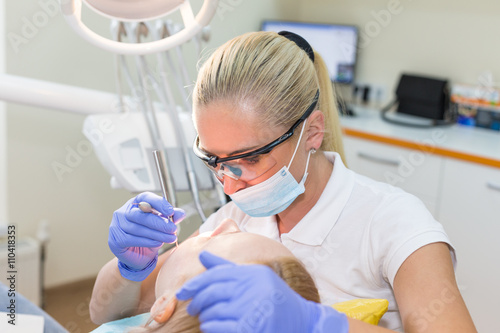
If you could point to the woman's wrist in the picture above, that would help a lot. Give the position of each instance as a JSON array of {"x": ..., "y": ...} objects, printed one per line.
[
  {"x": 137, "y": 275},
  {"x": 325, "y": 319}
]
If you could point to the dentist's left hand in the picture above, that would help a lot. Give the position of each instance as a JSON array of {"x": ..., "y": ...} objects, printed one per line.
[{"x": 135, "y": 237}]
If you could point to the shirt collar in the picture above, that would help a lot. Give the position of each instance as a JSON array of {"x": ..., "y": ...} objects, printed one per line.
[
  {"x": 265, "y": 226},
  {"x": 318, "y": 222}
]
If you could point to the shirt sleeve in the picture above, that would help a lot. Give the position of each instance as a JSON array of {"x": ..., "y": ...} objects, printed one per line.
[{"x": 400, "y": 227}]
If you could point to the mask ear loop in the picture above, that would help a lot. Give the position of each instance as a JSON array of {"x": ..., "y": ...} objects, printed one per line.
[
  {"x": 298, "y": 143},
  {"x": 312, "y": 151}
]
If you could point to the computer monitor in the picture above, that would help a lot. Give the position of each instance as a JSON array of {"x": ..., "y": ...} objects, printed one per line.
[{"x": 337, "y": 44}]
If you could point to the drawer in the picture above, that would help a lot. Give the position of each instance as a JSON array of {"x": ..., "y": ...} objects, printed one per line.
[
  {"x": 415, "y": 171},
  {"x": 470, "y": 213}
]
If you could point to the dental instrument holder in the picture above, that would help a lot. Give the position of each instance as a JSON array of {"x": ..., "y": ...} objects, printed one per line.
[{"x": 166, "y": 184}]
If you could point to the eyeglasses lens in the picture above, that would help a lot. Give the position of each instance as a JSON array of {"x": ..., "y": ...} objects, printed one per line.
[{"x": 246, "y": 169}]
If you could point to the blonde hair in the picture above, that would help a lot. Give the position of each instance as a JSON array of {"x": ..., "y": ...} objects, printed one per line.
[
  {"x": 275, "y": 77},
  {"x": 288, "y": 268}
]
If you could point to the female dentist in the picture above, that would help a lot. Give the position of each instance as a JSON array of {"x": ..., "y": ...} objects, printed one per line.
[{"x": 268, "y": 128}]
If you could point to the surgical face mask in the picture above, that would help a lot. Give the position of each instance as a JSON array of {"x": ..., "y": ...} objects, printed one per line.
[{"x": 273, "y": 195}]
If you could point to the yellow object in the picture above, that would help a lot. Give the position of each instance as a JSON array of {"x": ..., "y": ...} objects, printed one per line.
[{"x": 368, "y": 310}]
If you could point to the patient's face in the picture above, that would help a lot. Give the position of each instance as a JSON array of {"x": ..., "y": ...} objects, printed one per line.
[{"x": 227, "y": 241}]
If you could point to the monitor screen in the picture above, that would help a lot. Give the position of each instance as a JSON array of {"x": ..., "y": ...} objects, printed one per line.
[{"x": 337, "y": 44}]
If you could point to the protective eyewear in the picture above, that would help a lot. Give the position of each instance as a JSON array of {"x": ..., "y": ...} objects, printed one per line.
[{"x": 250, "y": 165}]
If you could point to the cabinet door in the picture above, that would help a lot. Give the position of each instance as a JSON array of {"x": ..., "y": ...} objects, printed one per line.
[
  {"x": 414, "y": 171},
  {"x": 470, "y": 213}
]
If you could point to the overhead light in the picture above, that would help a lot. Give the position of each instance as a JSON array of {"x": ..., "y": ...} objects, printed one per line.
[
  {"x": 139, "y": 10},
  {"x": 134, "y": 10}
]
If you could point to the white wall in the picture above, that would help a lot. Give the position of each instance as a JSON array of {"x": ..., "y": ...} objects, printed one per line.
[
  {"x": 446, "y": 38},
  {"x": 3, "y": 127},
  {"x": 79, "y": 207}
]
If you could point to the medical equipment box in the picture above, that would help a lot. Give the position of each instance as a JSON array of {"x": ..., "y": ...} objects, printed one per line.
[{"x": 422, "y": 96}]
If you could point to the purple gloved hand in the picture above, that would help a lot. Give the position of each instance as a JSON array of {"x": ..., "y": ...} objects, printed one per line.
[{"x": 135, "y": 236}]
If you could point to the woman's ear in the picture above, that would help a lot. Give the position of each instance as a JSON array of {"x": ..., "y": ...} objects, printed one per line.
[
  {"x": 163, "y": 309},
  {"x": 315, "y": 130}
]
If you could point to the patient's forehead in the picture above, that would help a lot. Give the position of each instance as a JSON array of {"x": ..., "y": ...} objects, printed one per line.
[
  {"x": 246, "y": 246},
  {"x": 239, "y": 247}
]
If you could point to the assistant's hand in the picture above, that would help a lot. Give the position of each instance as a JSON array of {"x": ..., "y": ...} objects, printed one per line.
[
  {"x": 135, "y": 237},
  {"x": 252, "y": 298}
]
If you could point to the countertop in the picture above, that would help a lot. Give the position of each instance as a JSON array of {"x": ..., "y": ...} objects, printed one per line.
[{"x": 467, "y": 143}]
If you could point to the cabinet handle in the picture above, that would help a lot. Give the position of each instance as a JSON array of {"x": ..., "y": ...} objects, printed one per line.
[
  {"x": 377, "y": 159},
  {"x": 493, "y": 186}
]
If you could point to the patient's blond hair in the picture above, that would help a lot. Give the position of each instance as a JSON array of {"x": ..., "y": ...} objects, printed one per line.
[
  {"x": 273, "y": 76},
  {"x": 288, "y": 268}
]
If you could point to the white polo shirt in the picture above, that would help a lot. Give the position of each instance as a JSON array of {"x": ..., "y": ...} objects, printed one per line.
[{"x": 354, "y": 239}]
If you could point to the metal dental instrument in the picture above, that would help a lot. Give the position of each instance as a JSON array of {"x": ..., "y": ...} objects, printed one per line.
[
  {"x": 165, "y": 183},
  {"x": 146, "y": 208}
]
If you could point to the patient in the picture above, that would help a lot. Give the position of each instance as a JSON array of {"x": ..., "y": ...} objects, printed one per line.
[{"x": 228, "y": 242}]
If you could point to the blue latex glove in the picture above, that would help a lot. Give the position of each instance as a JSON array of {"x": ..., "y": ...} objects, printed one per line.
[
  {"x": 135, "y": 237},
  {"x": 252, "y": 298}
]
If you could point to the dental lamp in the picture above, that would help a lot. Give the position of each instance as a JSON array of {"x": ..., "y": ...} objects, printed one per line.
[{"x": 138, "y": 11}]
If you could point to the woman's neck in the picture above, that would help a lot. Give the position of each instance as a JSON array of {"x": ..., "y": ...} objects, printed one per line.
[{"x": 320, "y": 170}]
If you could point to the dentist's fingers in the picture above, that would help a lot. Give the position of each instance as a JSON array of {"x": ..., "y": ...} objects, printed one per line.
[
  {"x": 217, "y": 326},
  {"x": 124, "y": 241},
  {"x": 179, "y": 215},
  {"x": 210, "y": 260},
  {"x": 216, "y": 293},
  {"x": 220, "y": 310},
  {"x": 202, "y": 281}
]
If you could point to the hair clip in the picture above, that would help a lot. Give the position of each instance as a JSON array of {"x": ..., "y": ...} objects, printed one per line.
[{"x": 300, "y": 41}]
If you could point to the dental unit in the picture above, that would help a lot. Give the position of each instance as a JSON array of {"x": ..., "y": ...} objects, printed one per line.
[{"x": 143, "y": 115}]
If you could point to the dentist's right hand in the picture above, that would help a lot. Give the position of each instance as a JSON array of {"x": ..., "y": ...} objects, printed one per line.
[{"x": 135, "y": 237}]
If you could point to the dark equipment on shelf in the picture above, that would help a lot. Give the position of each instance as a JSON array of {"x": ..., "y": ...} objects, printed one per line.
[{"x": 422, "y": 97}]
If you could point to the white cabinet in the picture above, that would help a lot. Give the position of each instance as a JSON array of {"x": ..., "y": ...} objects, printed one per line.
[
  {"x": 464, "y": 197},
  {"x": 470, "y": 213},
  {"x": 415, "y": 171}
]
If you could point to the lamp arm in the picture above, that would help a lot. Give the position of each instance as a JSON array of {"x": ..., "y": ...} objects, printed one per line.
[{"x": 28, "y": 91}]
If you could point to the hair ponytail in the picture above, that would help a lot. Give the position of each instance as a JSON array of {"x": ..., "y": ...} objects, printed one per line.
[{"x": 332, "y": 140}]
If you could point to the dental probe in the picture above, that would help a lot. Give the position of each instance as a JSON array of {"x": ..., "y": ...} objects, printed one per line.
[
  {"x": 162, "y": 176},
  {"x": 146, "y": 208}
]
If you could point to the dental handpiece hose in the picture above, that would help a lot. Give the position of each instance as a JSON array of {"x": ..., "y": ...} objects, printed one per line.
[{"x": 165, "y": 183}]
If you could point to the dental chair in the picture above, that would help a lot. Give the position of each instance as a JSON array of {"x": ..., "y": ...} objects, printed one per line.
[{"x": 23, "y": 306}]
